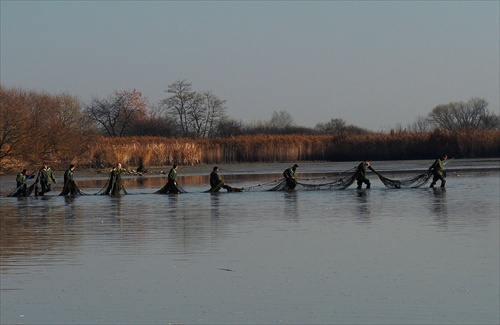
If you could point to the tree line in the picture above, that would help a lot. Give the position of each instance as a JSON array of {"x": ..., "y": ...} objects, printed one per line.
[{"x": 58, "y": 128}]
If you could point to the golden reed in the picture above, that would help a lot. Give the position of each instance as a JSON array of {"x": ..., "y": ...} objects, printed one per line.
[{"x": 159, "y": 151}]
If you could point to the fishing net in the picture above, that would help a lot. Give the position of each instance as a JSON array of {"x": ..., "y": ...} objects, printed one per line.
[
  {"x": 70, "y": 188},
  {"x": 281, "y": 186},
  {"x": 30, "y": 189},
  {"x": 264, "y": 186},
  {"x": 343, "y": 180},
  {"x": 171, "y": 189},
  {"x": 413, "y": 182},
  {"x": 40, "y": 191},
  {"x": 113, "y": 187},
  {"x": 222, "y": 185},
  {"x": 340, "y": 181},
  {"x": 20, "y": 191}
]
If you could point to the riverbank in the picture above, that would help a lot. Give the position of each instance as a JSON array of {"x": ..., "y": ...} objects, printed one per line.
[{"x": 143, "y": 152}]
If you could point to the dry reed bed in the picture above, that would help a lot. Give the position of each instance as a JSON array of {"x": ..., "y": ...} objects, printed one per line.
[{"x": 158, "y": 151}]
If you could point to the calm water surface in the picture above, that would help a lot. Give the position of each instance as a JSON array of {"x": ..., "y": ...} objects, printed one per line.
[{"x": 413, "y": 256}]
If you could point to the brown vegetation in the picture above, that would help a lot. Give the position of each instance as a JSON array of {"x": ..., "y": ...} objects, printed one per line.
[
  {"x": 36, "y": 127},
  {"x": 158, "y": 151}
]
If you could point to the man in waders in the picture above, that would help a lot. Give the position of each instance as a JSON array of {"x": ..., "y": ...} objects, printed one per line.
[
  {"x": 291, "y": 181},
  {"x": 438, "y": 172},
  {"x": 46, "y": 178},
  {"x": 361, "y": 178},
  {"x": 172, "y": 180},
  {"x": 216, "y": 182},
  {"x": 21, "y": 184},
  {"x": 70, "y": 187}
]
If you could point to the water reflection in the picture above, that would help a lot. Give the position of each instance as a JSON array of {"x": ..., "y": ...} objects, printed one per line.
[
  {"x": 291, "y": 210},
  {"x": 215, "y": 205},
  {"x": 362, "y": 205},
  {"x": 117, "y": 211},
  {"x": 69, "y": 212},
  {"x": 354, "y": 241},
  {"x": 438, "y": 206},
  {"x": 22, "y": 208}
]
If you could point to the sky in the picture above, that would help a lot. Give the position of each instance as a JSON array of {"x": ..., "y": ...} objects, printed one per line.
[{"x": 375, "y": 64}]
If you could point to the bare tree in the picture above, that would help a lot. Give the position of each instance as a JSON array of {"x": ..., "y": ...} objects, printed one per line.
[
  {"x": 155, "y": 123},
  {"x": 421, "y": 124},
  {"x": 215, "y": 111},
  {"x": 181, "y": 103},
  {"x": 281, "y": 120},
  {"x": 335, "y": 125},
  {"x": 228, "y": 127},
  {"x": 469, "y": 115},
  {"x": 196, "y": 114},
  {"x": 116, "y": 113}
]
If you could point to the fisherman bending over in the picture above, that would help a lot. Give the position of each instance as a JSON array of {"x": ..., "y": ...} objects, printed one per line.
[
  {"x": 290, "y": 179},
  {"x": 437, "y": 170},
  {"x": 21, "y": 187},
  {"x": 216, "y": 182},
  {"x": 361, "y": 172}
]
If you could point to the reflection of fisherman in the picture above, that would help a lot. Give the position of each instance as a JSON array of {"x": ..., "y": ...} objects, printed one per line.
[
  {"x": 437, "y": 170},
  {"x": 172, "y": 180},
  {"x": 70, "y": 187},
  {"x": 361, "y": 171},
  {"x": 46, "y": 178},
  {"x": 21, "y": 184},
  {"x": 216, "y": 182},
  {"x": 115, "y": 181},
  {"x": 290, "y": 179}
]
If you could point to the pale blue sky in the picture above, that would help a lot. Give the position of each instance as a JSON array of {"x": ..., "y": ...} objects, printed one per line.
[{"x": 373, "y": 63}]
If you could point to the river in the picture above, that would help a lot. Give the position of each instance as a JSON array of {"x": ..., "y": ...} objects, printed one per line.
[{"x": 384, "y": 256}]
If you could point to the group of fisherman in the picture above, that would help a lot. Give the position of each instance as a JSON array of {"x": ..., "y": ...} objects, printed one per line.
[{"x": 115, "y": 186}]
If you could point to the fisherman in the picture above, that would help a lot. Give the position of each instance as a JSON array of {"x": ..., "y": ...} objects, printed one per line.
[
  {"x": 216, "y": 182},
  {"x": 438, "y": 172},
  {"x": 21, "y": 184},
  {"x": 172, "y": 180},
  {"x": 171, "y": 187},
  {"x": 68, "y": 174},
  {"x": 115, "y": 181},
  {"x": 46, "y": 178},
  {"x": 361, "y": 174},
  {"x": 290, "y": 179},
  {"x": 70, "y": 187}
]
